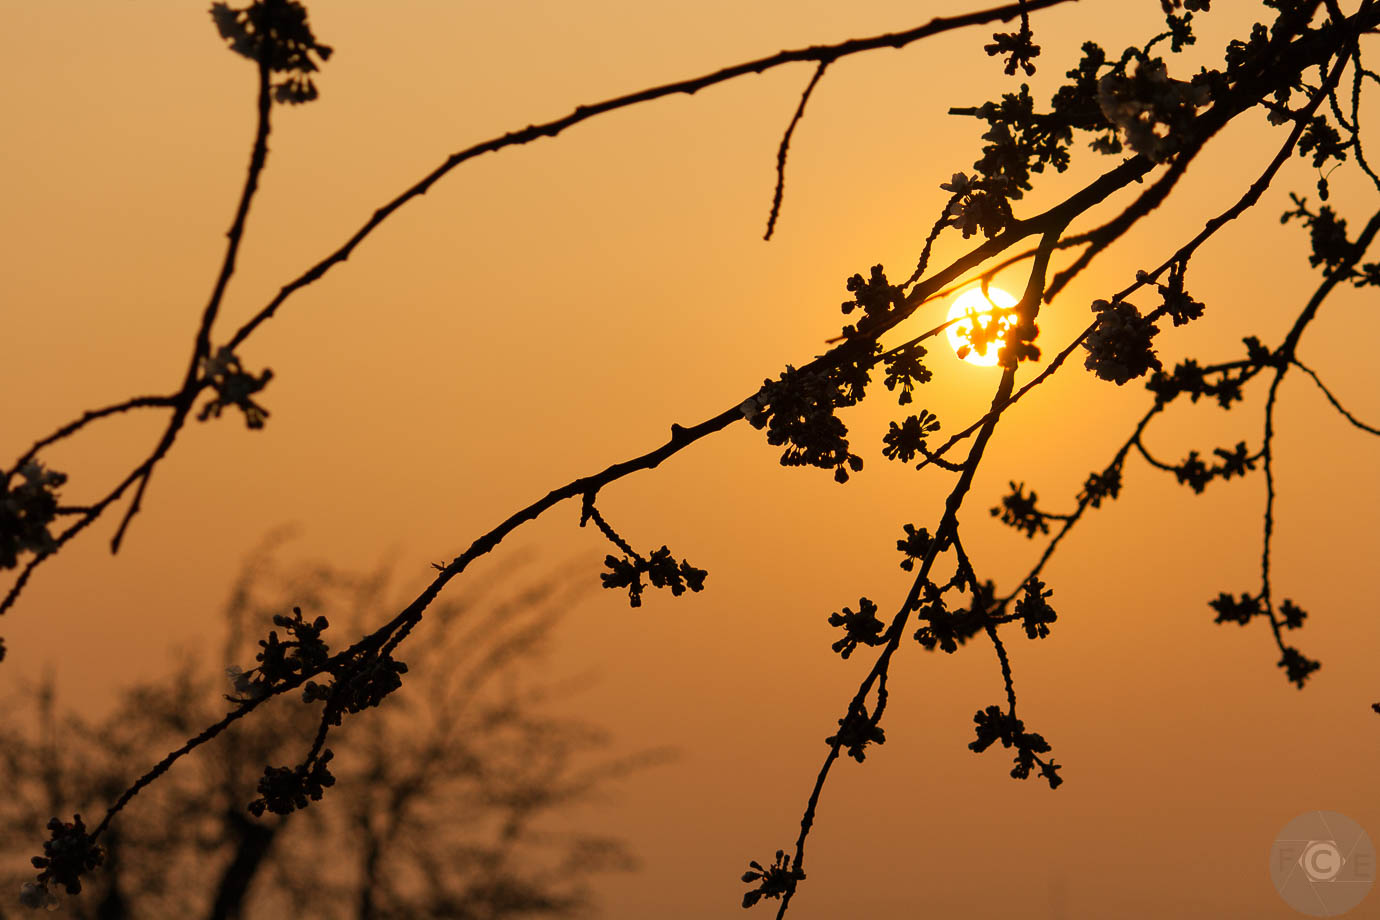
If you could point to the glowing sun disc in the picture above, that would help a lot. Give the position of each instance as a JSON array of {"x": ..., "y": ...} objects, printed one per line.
[{"x": 972, "y": 301}]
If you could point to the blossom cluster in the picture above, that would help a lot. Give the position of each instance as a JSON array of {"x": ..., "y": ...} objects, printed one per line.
[
  {"x": 856, "y": 731},
  {"x": 1018, "y": 510},
  {"x": 1152, "y": 110},
  {"x": 772, "y": 881},
  {"x": 662, "y": 569},
  {"x": 1033, "y": 609},
  {"x": 1326, "y": 231},
  {"x": 798, "y": 411},
  {"x": 905, "y": 369},
  {"x": 993, "y": 725},
  {"x": 303, "y": 652},
  {"x": 1196, "y": 474},
  {"x": 1119, "y": 347},
  {"x": 1230, "y": 609},
  {"x": 283, "y": 790},
  {"x": 948, "y": 629},
  {"x": 26, "y": 510},
  {"x": 902, "y": 442},
  {"x": 861, "y": 628},
  {"x": 363, "y": 687},
  {"x": 1190, "y": 378},
  {"x": 234, "y": 386},
  {"x": 914, "y": 545},
  {"x": 875, "y": 295},
  {"x": 1101, "y": 486},
  {"x": 276, "y": 34},
  {"x": 68, "y": 854}
]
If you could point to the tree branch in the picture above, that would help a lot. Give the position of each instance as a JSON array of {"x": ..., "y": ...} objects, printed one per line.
[
  {"x": 202, "y": 347},
  {"x": 819, "y": 54},
  {"x": 786, "y": 146}
]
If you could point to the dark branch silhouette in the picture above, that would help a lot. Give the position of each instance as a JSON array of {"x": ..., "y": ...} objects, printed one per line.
[
  {"x": 785, "y": 148},
  {"x": 471, "y": 766}
]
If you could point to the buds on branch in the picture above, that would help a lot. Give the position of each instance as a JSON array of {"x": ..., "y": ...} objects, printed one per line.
[
  {"x": 68, "y": 854},
  {"x": 994, "y": 725},
  {"x": 772, "y": 881},
  {"x": 275, "y": 33},
  {"x": 26, "y": 510}
]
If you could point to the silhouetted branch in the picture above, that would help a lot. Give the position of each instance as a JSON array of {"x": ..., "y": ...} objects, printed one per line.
[
  {"x": 1280, "y": 360},
  {"x": 786, "y": 146},
  {"x": 1181, "y": 255},
  {"x": 158, "y": 769},
  {"x": 997, "y": 410},
  {"x": 202, "y": 347},
  {"x": 944, "y": 534},
  {"x": 1333, "y": 400},
  {"x": 138, "y": 402},
  {"x": 819, "y": 54},
  {"x": 1205, "y": 127},
  {"x": 193, "y": 384},
  {"x": 181, "y": 403}
]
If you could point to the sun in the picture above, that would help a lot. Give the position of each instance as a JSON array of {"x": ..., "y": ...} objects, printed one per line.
[{"x": 972, "y": 303}]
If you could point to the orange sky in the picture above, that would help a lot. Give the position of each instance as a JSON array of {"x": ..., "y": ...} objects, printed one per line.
[{"x": 551, "y": 309}]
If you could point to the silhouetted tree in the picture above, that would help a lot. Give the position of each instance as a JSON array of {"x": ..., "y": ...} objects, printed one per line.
[{"x": 444, "y": 800}]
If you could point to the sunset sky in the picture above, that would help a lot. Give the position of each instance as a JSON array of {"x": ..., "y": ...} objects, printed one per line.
[{"x": 551, "y": 309}]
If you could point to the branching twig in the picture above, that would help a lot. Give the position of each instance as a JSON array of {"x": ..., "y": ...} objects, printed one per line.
[
  {"x": 819, "y": 54},
  {"x": 138, "y": 402},
  {"x": 192, "y": 385}
]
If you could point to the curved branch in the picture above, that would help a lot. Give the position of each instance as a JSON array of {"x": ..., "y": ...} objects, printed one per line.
[
  {"x": 202, "y": 346},
  {"x": 996, "y": 410},
  {"x": 1251, "y": 196},
  {"x": 1207, "y": 126},
  {"x": 138, "y": 402},
  {"x": 1332, "y": 399},
  {"x": 819, "y": 54},
  {"x": 1145, "y": 454}
]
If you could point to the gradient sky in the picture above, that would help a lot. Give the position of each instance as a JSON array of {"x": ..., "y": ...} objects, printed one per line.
[{"x": 551, "y": 309}]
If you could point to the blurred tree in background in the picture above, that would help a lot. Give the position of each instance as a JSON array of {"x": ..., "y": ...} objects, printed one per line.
[{"x": 447, "y": 803}]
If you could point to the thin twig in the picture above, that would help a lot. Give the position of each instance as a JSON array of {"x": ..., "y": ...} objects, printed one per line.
[
  {"x": 182, "y": 402},
  {"x": 1269, "y": 527},
  {"x": 996, "y": 411},
  {"x": 786, "y": 146},
  {"x": 138, "y": 402},
  {"x": 1332, "y": 399},
  {"x": 590, "y": 513},
  {"x": 166, "y": 763},
  {"x": 819, "y": 54},
  {"x": 1084, "y": 502}
]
